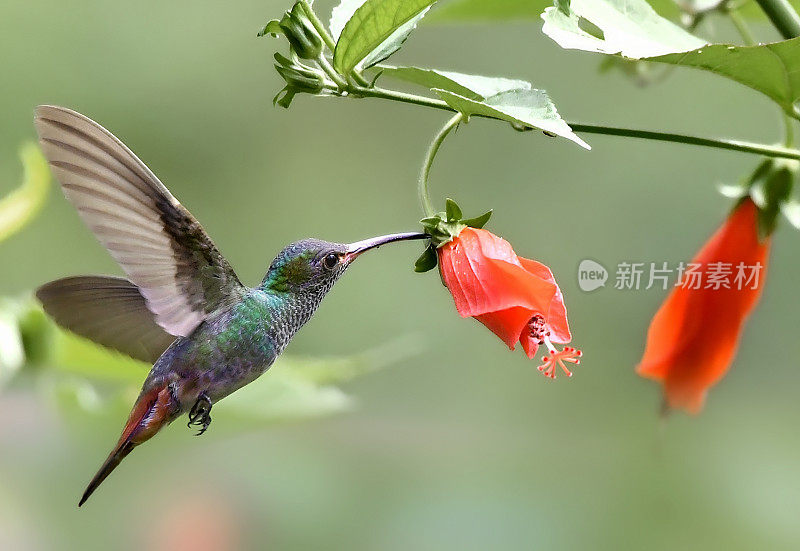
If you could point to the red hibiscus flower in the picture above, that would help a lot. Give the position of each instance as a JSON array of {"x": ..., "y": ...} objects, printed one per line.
[
  {"x": 693, "y": 337},
  {"x": 516, "y": 298}
]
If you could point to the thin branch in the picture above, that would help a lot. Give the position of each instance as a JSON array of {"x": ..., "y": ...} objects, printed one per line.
[
  {"x": 731, "y": 145},
  {"x": 783, "y": 17}
]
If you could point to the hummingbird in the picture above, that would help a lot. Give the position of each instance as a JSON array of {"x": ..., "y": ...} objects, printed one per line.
[{"x": 182, "y": 307}]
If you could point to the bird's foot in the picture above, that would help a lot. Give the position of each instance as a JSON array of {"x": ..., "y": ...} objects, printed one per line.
[{"x": 200, "y": 415}]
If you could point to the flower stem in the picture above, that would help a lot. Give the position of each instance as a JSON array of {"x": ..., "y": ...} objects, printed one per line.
[
  {"x": 783, "y": 16},
  {"x": 433, "y": 149}
]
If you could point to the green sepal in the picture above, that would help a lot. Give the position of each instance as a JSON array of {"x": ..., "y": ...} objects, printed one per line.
[
  {"x": 452, "y": 210},
  {"x": 479, "y": 221},
  {"x": 769, "y": 186},
  {"x": 299, "y": 79},
  {"x": 444, "y": 226},
  {"x": 272, "y": 28},
  {"x": 303, "y": 38},
  {"x": 769, "y": 194},
  {"x": 427, "y": 260},
  {"x": 284, "y": 97},
  {"x": 302, "y": 35}
]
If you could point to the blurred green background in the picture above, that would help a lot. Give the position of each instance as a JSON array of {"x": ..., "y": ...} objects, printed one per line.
[{"x": 464, "y": 445}]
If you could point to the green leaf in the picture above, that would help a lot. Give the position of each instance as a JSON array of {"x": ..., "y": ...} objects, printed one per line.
[
  {"x": 526, "y": 107},
  {"x": 78, "y": 356},
  {"x": 772, "y": 69},
  {"x": 19, "y": 206},
  {"x": 489, "y": 10},
  {"x": 280, "y": 398},
  {"x": 427, "y": 260},
  {"x": 341, "y": 14},
  {"x": 298, "y": 388},
  {"x": 452, "y": 210},
  {"x": 563, "y": 6},
  {"x": 524, "y": 10},
  {"x": 376, "y": 30},
  {"x": 474, "y": 87},
  {"x": 478, "y": 221},
  {"x": 340, "y": 369},
  {"x": 628, "y": 27},
  {"x": 75, "y": 396},
  {"x": 632, "y": 29}
]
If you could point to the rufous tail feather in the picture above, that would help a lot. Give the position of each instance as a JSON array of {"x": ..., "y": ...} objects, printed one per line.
[{"x": 151, "y": 412}]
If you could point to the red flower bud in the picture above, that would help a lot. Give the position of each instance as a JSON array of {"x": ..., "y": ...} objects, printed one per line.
[
  {"x": 516, "y": 298},
  {"x": 693, "y": 337}
]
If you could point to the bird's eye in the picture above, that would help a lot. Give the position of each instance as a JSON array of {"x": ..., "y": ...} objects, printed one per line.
[{"x": 331, "y": 260}]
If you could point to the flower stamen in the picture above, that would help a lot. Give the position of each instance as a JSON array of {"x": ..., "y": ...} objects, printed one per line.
[
  {"x": 556, "y": 358},
  {"x": 538, "y": 328}
]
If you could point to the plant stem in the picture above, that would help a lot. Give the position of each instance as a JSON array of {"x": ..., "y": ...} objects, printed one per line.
[
  {"x": 783, "y": 16},
  {"x": 359, "y": 78},
  {"x": 780, "y": 12},
  {"x": 376, "y": 92},
  {"x": 734, "y": 145},
  {"x": 433, "y": 149},
  {"x": 788, "y": 133},
  {"x": 322, "y": 61},
  {"x": 741, "y": 26},
  {"x": 323, "y": 32},
  {"x": 328, "y": 40}
]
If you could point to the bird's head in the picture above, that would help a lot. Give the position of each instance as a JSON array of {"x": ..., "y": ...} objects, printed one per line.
[{"x": 313, "y": 265}]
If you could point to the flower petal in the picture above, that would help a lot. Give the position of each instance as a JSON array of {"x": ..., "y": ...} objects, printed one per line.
[
  {"x": 529, "y": 344},
  {"x": 507, "y": 324},
  {"x": 693, "y": 337},
  {"x": 491, "y": 246},
  {"x": 556, "y": 317},
  {"x": 481, "y": 284}
]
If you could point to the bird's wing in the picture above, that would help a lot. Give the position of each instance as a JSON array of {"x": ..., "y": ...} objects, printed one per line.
[
  {"x": 159, "y": 244},
  {"x": 107, "y": 310}
]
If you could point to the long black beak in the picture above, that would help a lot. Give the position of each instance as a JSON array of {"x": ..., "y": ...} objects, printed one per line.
[{"x": 355, "y": 249}]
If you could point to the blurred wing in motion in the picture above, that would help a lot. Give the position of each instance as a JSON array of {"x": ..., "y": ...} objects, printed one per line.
[
  {"x": 107, "y": 310},
  {"x": 157, "y": 242}
]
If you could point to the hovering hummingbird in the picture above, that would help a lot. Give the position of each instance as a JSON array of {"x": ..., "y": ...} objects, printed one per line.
[{"x": 183, "y": 308}]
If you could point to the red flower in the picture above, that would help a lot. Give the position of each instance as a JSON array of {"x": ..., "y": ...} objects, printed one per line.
[
  {"x": 516, "y": 298},
  {"x": 693, "y": 336}
]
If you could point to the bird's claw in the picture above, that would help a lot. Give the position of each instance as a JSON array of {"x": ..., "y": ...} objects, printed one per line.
[{"x": 200, "y": 415}]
